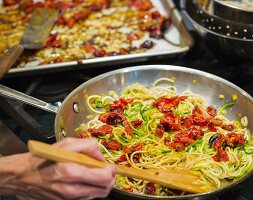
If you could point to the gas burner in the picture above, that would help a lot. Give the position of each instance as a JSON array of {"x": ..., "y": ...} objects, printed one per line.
[
  {"x": 51, "y": 92},
  {"x": 54, "y": 89}
]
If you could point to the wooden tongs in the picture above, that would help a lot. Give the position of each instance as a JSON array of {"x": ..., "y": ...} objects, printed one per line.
[{"x": 180, "y": 179}]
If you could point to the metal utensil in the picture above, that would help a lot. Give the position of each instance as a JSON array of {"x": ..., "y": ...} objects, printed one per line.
[
  {"x": 169, "y": 177},
  {"x": 36, "y": 32},
  {"x": 223, "y": 36}
]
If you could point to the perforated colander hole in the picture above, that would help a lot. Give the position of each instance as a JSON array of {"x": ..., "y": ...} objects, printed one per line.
[
  {"x": 236, "y": 33},
  {"x": 212, "y": 19},
  {"x": 63, "y": 133},
  {"x": 244, "y": 38},
  {"x": 219, "y": 27},
  {"x": 228, "y": 34},
  {"x": 76, "y": 108},
  {"x": 227, "y": 27},
  {"x": 207, "y": 20},
  {"x": 214, "y": 28},
  {"x": 245, "y": 30},
  {"x": 252, "y": 36},
  {"x": 209, "y": 27}
]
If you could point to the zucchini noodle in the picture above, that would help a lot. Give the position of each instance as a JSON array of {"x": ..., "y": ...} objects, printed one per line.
[{"x": 160, "y": 129}]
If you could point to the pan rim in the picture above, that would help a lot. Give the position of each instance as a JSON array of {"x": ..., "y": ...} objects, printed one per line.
[{"x": 167, "y": 68}]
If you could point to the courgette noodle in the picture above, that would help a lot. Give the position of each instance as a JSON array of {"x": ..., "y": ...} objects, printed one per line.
[
  {"x": 155, "y": 153},
  {"x": 223, "y": 108}
]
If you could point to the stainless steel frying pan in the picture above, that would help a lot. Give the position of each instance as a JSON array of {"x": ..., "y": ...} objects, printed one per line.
[{"x": 73, "y": 110}]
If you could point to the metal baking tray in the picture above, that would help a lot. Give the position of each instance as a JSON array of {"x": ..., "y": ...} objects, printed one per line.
[{"x": 177, "y": 40}]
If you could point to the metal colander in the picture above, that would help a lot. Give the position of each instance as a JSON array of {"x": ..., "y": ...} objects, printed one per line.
[
  {"x": 205, "y": 16},
  {"x": 234, "y": 10},
  {"x": 224, "y": 36}
]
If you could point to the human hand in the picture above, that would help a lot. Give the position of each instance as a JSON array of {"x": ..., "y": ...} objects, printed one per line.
[{"x": 40, "y": 179}]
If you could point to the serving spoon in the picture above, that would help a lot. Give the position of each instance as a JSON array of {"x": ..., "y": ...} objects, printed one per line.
[{"x": 175, "y": 178}]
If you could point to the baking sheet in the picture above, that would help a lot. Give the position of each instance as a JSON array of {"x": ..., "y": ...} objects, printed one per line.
[{"x": 176, "y": 40}]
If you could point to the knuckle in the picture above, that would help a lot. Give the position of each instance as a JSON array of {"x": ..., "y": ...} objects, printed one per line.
[
  {"x": 72, "y": 171},
  {"x": 67, "y": 170},
  {"x": 67, "y": 192},
  {"x": 106, "y": 178},
  {"x": 92, "y": 149}
]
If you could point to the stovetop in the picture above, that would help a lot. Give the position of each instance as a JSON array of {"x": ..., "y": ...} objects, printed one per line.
[{"x": 55, "y": 87}]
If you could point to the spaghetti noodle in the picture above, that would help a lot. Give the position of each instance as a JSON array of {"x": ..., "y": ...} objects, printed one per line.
[{"x": 155, "y": 128}]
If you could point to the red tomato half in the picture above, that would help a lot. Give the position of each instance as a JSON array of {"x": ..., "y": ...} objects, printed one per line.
[
  {"x": 221, "y": 156},
  {"x": 211, "y": 111},
  {"x": 150, "y": 188},
  {"x": 111, "y": 144}
]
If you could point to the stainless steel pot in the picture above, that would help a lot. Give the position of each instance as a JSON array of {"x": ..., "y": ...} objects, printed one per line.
[
  {"x": 233, "y": 12},
  {"x": 223, "y": 36},
  {"x": 73, "y": 110}
]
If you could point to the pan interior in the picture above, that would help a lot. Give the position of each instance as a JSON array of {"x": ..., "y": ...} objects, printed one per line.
[{"x": 74, "y": 111}]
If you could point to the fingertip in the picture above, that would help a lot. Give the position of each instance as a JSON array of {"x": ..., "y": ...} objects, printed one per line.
[
  {"x": 98, "y": 155},
  {"x": 113, "y": 182},
  {"x": 94, "y": 151},
  {"x": 112, "y": 168}
]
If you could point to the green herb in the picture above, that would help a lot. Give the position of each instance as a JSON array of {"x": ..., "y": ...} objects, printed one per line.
[
  {"x": 248, "y": 147},
  {"x": 223, "y": 108}
]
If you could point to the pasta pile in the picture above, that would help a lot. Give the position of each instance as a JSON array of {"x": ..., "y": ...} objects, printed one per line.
[{"x": 155, "y": 128}]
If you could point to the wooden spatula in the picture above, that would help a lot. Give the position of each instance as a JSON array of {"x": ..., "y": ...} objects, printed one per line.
[
  {"x": 35, "y": 34},
  {"x": 174, "y": 178}
]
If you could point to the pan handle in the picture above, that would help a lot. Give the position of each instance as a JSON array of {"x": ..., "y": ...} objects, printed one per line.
[{"x": 13, "y": 94}]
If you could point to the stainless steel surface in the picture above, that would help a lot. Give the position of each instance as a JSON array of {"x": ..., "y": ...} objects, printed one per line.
[
  {"x": 225, "y": 37},
  {"x": 39, "y": 27},
  {"x": 177, "y": 40},
  {"x": 233, "y": 12},
  {"x": 7, "y": 92},
  {"x": 207, "y": 85},
  {"x": 220, "y": 25}
]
